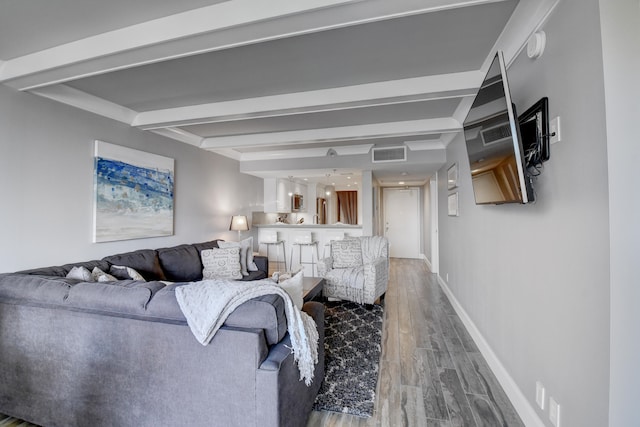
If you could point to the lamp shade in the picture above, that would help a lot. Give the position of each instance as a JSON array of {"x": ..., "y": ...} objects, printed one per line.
[{"x": 239, "y": 223}]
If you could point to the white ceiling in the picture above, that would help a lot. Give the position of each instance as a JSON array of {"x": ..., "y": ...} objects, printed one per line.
[{"x": 275, "y": 81}]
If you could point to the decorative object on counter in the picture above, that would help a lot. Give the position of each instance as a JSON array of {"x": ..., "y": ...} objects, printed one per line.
[
  {"x": 239, "y": 223},
  {"x": 282, "y": 219},
  {"x": 300, "y": 221}
]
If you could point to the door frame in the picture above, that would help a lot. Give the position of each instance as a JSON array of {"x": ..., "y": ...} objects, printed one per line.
[{"x": 417, "y": 213}]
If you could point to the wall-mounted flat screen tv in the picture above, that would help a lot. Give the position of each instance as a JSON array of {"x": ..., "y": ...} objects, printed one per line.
[{"x": 494, "y": 146}]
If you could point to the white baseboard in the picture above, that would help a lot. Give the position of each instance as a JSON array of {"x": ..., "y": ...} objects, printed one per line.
[
  {"x": 426, "y": 260},
  {"x": 527, "y": 413}
]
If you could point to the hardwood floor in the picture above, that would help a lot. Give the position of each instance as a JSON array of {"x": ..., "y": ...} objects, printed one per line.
[{"x": 431, "y": 372}]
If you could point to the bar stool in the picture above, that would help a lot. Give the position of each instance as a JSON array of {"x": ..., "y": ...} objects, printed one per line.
[
  {"x": 301, "y": 240},
  {"x": 331, "y": 236},
  {"x": 270, "y": 238}
]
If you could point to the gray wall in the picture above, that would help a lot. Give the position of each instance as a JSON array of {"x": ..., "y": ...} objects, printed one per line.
[
  {"x": 620, "y": 22},
  {"x": 46, "y": 171},
  {"x": 534, "y": 279}
]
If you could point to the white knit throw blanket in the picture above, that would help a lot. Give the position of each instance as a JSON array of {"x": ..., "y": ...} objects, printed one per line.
[{"x": 207, "y": 304}]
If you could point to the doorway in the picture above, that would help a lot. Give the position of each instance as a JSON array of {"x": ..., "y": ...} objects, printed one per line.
[{"x": 402, "y": 221}]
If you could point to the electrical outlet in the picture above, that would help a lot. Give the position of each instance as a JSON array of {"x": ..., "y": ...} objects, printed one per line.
[
  {"x": 554, "y": 130},
  {"x": 447, "y": 277},
  {"x": 540, "y": 394},
  {"x": 554, "y": 412}
]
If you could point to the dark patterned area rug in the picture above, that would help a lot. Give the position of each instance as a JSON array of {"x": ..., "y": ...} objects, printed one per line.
[{"x": 353, "y": 334}]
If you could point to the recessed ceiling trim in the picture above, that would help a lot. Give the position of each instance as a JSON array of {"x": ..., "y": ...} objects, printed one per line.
[
  {"x": 162, "y": 30},
  {"x": 369, "y": 94},
  {"x": 305, "y": 152},
  {"x": 180, "y": 135},
  {"x": 429, "y": 144},
  {"x": 79, "y": 99},
  {"x": 358, "y": 132}
]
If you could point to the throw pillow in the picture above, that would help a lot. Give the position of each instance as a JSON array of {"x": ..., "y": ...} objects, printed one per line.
[
  {"x": 247, "y": 263},
  {"x": 346, "y": 253},
  {"x": 221, "y": 263},
  {"x": 242, "y": 257},
  {"x": 100, "y": 276},
  {"x": 293, "y": 287},
  {"x": 80, "y": 273},
  {"x": 251, "y": 265},
  {"x": 123, "y": 272}
]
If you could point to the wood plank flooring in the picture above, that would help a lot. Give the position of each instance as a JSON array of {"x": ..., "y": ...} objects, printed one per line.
[{"x": 431, "y": 372}]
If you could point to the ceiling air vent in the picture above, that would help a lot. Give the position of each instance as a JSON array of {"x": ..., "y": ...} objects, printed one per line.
[
  {"x": 495, "y": 134},
  {"x": 389, "y": 154}
]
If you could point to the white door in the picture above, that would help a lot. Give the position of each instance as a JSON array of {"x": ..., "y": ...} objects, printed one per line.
[{"x": 402, "y": 221}]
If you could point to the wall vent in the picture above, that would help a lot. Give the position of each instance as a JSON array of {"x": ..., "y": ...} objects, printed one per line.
[
  {"x": 495, "y": 134},
  {"x": 389, "y": 154}
]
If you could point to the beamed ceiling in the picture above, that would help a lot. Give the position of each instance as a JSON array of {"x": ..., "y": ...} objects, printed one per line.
[{"x": 272, "y": 83}]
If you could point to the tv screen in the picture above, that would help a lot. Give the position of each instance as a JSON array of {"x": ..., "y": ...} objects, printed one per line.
[{"x": 494, "y": 146}]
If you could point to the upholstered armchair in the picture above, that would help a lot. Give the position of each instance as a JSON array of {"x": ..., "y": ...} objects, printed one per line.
[{"x": 357, "y": 270}]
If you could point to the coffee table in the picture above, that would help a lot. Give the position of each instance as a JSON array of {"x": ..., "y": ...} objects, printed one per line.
[{"x": 311, "y": 287}]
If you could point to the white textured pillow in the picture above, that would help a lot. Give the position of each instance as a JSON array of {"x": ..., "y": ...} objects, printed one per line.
[
  {"x": 80, "y": 273},
  {"x": 221, "y": 263},
  {"x": 346, "y": 253},
  {"x": 251, "y": 265},
  {"x": 100, "y": 276},
  {"x": 124, "y": 272},
  {"x": 293, "y": 286},
  {"x": 242, "y": 257},
  {"x": 246, "y": 254}
]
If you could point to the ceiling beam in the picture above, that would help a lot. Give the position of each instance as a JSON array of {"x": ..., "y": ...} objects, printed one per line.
[
  {"x": 356, "y": 96},
  {"x": 179, "y": 26},
  {"x": 84, "y": 101},
  {"x": 342, "y": 133},
  {"x": 221, "y": 26}
]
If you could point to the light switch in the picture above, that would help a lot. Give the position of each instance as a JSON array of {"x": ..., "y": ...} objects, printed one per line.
[{"x": 554, "y": 130}]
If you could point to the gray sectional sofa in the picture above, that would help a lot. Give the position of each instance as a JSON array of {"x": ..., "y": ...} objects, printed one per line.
[{"x": 76, "y": 353}]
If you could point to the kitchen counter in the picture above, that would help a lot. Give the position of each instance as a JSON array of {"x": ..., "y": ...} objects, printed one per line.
[
  {"x": 305, "y": 225},
  {"x": 305, "y": 254}
]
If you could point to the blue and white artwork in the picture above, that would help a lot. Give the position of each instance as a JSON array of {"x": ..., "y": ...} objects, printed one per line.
[{"x": 133, "y": 194}]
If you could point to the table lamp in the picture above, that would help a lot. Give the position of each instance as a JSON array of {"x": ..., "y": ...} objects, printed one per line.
[{"x": 239, "y": 223}]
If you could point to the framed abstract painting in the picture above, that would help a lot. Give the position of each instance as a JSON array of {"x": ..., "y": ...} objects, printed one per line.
[{"x": 133, "y": 194}]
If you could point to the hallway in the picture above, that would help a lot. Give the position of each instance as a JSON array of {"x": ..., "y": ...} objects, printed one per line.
[{"x": 431, "y": 372}]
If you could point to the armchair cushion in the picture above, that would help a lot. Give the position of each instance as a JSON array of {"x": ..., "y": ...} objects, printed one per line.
[{"x": 346, "y": 253}]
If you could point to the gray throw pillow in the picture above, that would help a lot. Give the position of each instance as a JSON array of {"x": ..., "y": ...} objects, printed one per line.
[{"x": 346, "y": 253}]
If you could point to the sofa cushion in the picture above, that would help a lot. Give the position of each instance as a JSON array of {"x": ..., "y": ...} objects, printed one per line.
[
  {"x": 254, "y": 275},
  {"x": 206, "y": 245},
  {"x": 346, "y": 253},
  {"x": 181, "y": 263},
  {"x": 221, "y": 263},
  {"x": 124, "y": 297},
  {"x": 144, "y": 261},
  {"x": 266, "y": 312},
  {"x": 34, "y": 289}
]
